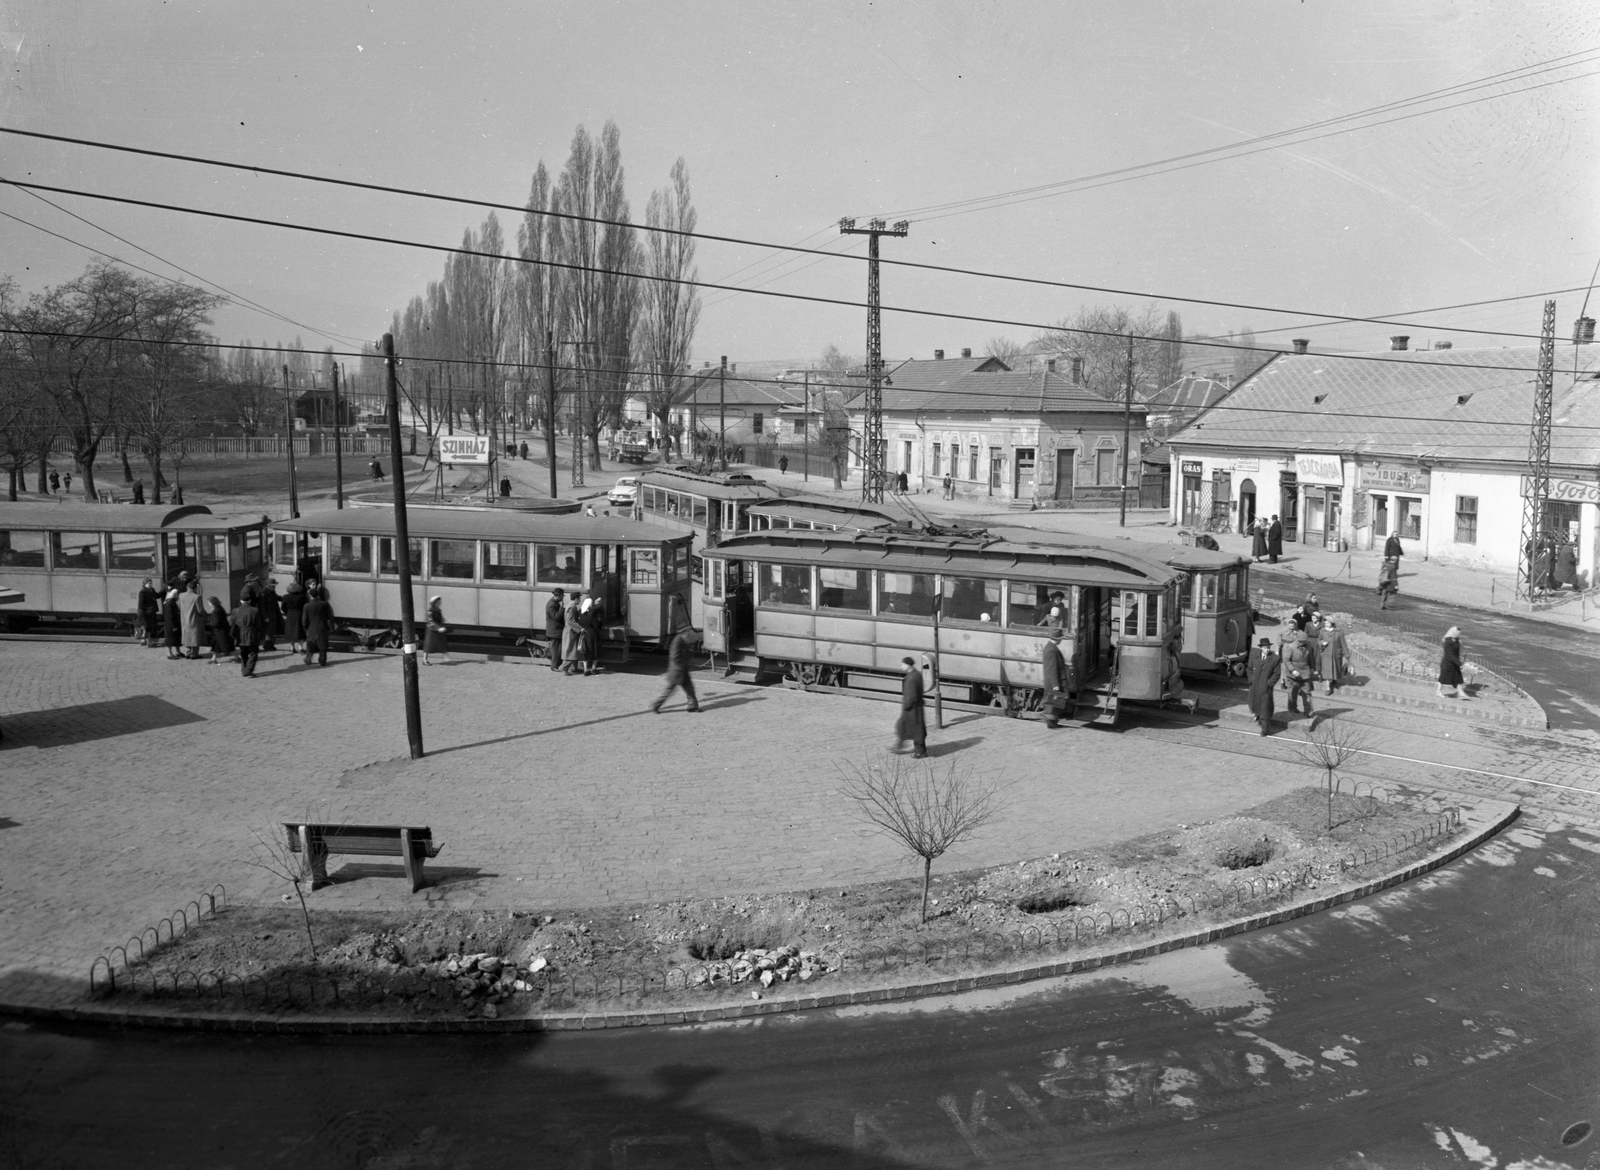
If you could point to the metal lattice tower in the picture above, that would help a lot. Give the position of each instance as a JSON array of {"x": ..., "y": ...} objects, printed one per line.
[
  {"x": 1537, "y": 490},
  {"x": 873, "y": 472}
]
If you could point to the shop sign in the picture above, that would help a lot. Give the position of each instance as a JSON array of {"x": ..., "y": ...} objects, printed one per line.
[
  {"x": 1389, "y": 478},
  {"x": 463, "y": 449},
  {"x": 1191, "y": 467},
  {"x": 1568, "y": 491},
  {"x": 1247, "y": 465},
  {"x": 1327, "y": 470}
]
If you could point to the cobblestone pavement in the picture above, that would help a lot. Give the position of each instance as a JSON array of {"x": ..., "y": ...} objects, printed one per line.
[{"x": 132, "y": 784}]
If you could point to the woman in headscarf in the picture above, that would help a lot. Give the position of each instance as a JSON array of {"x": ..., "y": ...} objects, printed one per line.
[
  {"x": 191, "y": 612},
  {"x": 1258, "y": 544},
  {"x": 172, "y": 623},
  {"x": 1450, "y": 665},
  {"x": 589, "y": 618},
  {"x": 572, "y": 636},
  {"x": 294, "y": 604},
  {"x": 435, "y": 640},
  {"x": 1388, "y": 581},
  {"x": 221, "y": 631}
]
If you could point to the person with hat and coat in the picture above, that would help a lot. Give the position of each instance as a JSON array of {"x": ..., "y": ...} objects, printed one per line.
[
  {"x": 434, "y": 641},
  {"x": 911, "y": 725},
  {"x": 149, "y": 610},
  {"x": 246, "y": 622},
  {"x": 1333, "y": 654},
  {"x": 589, "y": 618},
  {"x": 221, "y": 631},
  {"x": 271, "y": 607},
  {"x": 1450, "y": 665},
  {"x": 191, "y": 612},
  {"x": 1300, "y": 665},
  {"x": 294, "y": 604},
  {"x": 319, "y": 624},
  {"x": 1258, "y": 540},
  {"x": 172, "y": 623},
  {"x": 1058, "y": 683},
  {"x": 1265, "y": 666},
  {"x": 680, "y": 650},
  {"x": 571, "y": 634},
  {"x": 553, "y": 623},
  {"x": 1274, "y": 540}
]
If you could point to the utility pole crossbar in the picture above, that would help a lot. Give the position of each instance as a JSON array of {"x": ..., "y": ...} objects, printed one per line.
[{"x": 873, "y": 472}]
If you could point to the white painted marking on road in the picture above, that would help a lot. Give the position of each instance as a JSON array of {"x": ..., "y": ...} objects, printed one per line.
[
  {"x": 1544, "y": 871},
  {"x": 1592, "y": 848},
  {"x": 1341, "y": 1054},
  {"x": 1475, "y": 1150}
]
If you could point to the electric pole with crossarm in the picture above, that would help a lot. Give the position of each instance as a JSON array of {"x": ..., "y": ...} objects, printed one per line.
[{"x": 872, "y": 444}]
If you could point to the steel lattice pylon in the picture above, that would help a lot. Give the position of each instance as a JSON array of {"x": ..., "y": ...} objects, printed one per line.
[
  {"x": 873, "y": 472},
  {"x": 1537, "y": 488}
]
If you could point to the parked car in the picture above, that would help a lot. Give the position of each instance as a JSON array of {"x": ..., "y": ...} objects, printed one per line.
[{"x": 625, "y": 493}]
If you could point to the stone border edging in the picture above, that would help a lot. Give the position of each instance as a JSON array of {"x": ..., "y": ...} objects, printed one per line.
[{"x": 332, "y": 1025}]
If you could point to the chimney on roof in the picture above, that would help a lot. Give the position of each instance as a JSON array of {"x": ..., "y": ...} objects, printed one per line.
[
  {"x": 966, "y": 353},
  {"x": 1300, "y": 344},
  {"x": 1077, "y": 371},
  {"x": 938, "y": 355},
  {"x": 1443, "y": 344},
  {"x": 733, "y": 368},
  {"x": 1583, "y": 331},
  {"x": 1050, "y": 365},
  {"x": 1400, "y": 341}
]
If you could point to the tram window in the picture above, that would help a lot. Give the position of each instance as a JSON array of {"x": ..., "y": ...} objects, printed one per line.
[
  {"x": 1208, "y": 592},
  {"x": 970, "y": 599},
  {"x": 252, "y": 549},
  {"x": 680, "y": 560},
  {"x": 212, "y": 551},
  {"x": 75, "y": 550},
  {"x": 22, "y": 548},
  {"x": 1038, "y": 605},
  {"x": 844, "y": 589},
  {"x": 716, "y": 577},
  {"x": 350, "y": 554},
  {"x": 457, "y": 559},
  {"x": 1130, "y": 613},
  {"x": 283, "y": 548},
  {"x": 1152, "y": 615},
  {"x": 699, "y": 512},
  {"x": 643, "y": 569},
  {"x": 178, "y": 553},
  {"x": 905, "y": 594},
  {"x": 557, "y": 564},
  {"x": 786, "y": 585},
  {"x": 388, "y": 565},
  {"x": 136, "y": 551},
  {"x": 647, "y": 498},
  {"x": 504, "y": 561}
]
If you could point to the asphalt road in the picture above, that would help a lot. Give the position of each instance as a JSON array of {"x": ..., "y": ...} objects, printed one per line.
[{"x": 1451, "y": 1022}]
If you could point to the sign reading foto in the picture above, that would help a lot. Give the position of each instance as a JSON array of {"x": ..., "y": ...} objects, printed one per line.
[
  {"x": 1327, "y": 470},
  {"x": 463, "y": 449},
  {"x": 1569, "y": 491}
]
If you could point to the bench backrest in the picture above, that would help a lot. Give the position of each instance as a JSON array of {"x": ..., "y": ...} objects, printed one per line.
[{"x": 359, "y": 838}]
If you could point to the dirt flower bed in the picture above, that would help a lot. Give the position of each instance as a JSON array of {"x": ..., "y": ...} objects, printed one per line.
[{"x": 705, "y": 951}]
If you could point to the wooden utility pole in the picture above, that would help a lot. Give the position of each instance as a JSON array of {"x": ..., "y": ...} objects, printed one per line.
[
  {"x": 288, "y": 425},
  {"x": 722, "y": 414},
  {"x": 338, "y": 446},
  {"x": 550, "y": 408},
  {"x": 1127, "y": 416},
  {"x": 805, "y": 426},
  {"x": 402, "y": 557}
]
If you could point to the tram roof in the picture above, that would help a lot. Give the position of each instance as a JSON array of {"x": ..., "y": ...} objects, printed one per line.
[
  {"x": 84, "y": 517},
  {"x": 1185, "y": 557},
  {"x": 1202, "y": 560},
  {"x": 813, "y": 513},
  {"x": 963, "y": 555},
  {"x": 467, "y": 524},
  {"x": 733, "y": 485}
]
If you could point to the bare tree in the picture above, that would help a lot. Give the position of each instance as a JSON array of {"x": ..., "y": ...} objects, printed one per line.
[
  {"x": 921, "y": 805},
  {"x": 1328, "y": 747},
  {"x": 670, "y": 309},
  {"x": 1006, "y": 349},
  {"x": 273, "y": 855},
  {"x": 168, "y": 379},
  {"x": 1097, "y": 334}
]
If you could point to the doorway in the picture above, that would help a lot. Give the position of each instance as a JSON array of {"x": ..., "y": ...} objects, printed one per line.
[
  {"x": 1022, "y": 477},
  {"x": 1066, "y": 472},
  {"x": 1247, "y": 504}
]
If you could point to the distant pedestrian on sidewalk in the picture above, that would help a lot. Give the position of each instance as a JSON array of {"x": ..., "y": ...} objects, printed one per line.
[
  {"x": 679, "y": 652},
  {"x": 1264, "y": 669},
  {"x": 1566, "y": 570},
  {"x": 149, "y": 610},
  {"x": 911, "y": 725},
  {"x": 1058, "y": 688},
  {"x": 377, "y": 470},
  {"x": 319, "y": 624},
  {"x": 1392, "y": 547},
  {"x": 294, "y": 605},
  {"x": 434, "y": 641},
  {"x": 783, "y": 465},
  {"x": 1274, "y": 540},
  {"x": 1258, "y": 539},
  {"x": 246, "y": 622},
  {"x": 553, "y": 622},
  {"x": 1334, "y": 654},
  {"x": 1300, "y": 665},
  {"x": 1450, "y": 665},
  {"x": 1388, "y": 581},
  {"x": 949, "y": 488}
]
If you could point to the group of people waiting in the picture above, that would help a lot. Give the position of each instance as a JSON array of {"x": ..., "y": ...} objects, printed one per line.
[
  {"x": 1312, "y": 650},
  {"x": 182, "y": 621},
  {"x": 1266, "y": 539},
  {"x": 572, "y": 623}
]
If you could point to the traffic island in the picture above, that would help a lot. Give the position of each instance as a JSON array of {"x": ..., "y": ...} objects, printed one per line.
[{"x": 689, "y": 961}]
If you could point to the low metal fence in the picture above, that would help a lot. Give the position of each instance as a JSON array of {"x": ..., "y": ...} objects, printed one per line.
[{"x": 205, "y": 904}]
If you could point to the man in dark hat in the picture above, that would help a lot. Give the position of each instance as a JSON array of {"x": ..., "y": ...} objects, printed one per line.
[
  {"x": 1274, "y": 540},
  {"x": 680, "y": 652},
  {"x": 1058, "y": 686},
  {"x": 555, "y": 620},
  {"x": 1264, "y": 669},
  {"x": 911, "y": 724},
  {"x": 1300, "y": 664}
]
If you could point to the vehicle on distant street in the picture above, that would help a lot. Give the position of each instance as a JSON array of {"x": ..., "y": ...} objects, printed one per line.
[{"x": 625, "y": 493}]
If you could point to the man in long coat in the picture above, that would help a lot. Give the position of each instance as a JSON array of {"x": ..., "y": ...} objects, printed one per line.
[
  {"x": 1392, "y": 547},
  {"x": 1264, "y": 669},
  {"x": 1334, "y": 654},
  {"x": 911, "y": 724},
  {"x": 554, "y": 622},
  {"x": 1057, "y": 685},
  {"x": 271, "y": 607},
  {"x": 679, "y": 652},
  {"x": 319, "y": 625},
  {"x": 246, "y": 623},
  {"x": 1258, "y": 542},
  {"x": 1274, "y": 541}
]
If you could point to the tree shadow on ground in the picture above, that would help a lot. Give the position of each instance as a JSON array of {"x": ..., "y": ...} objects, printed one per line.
[{"x": 86, "y": 722}]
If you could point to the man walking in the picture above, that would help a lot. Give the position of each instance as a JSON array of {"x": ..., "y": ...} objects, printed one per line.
[
  {"x": 319, "y": 625},
  {"x": 911, "y": 724},
  {"x": 554, "y": 621},
  {"x": 1058, "y": 686},
  {"x": 1264, "y": 669},
  {"x": 246, "y": 623},
  {"x": 679, "y": 652},
  {"x": 1274, "y": 540},
  {"x": 1300, "y": 664}
]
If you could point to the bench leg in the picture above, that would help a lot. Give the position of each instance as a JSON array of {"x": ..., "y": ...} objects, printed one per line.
[
  {"x": 413, "y": 862},
  {"x": 313, "y": 859}
]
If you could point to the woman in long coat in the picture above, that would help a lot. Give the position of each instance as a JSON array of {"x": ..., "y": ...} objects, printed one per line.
[
  {"x": 435, "y": 641},
  {"x": 572, "y": 636},
  {"x": 1333, "y": 654},
  {"x": 191, "y": 612},
  {"x": 1264, "y": 671},
  {"x": 149, "y": 609},
  {"x": 1450, "y": 665},
  {"x": 172, "y": 622},
  {"x": 221, "y": 631},
  {"x": 589, "y": 618},
  {"x": 294, "y": 604},
  {"x": 1258, "y": 545}
]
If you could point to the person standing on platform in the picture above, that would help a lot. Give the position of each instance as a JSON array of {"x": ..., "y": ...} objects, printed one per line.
[
  {"x": 191, "y": 612},
  {"x": 1057, "y": 684},
  {"x": 172, "y": 623},
  {"x": 1450, "y": 665},
  {"x": 294, "y": 605},
  {"x": 1258, "y": 539},
  {"x": 319, "y": 625},
  {"x": 1301, "y": 666},
  {"x": 1274, "y": 540},
  {"x": 590, "y": 618},
  {"x": 553, "y": 623},
  {"x": 679, "y": 652},
  {"x": 1334, "y": 654},
  {"x": 911, "y": 725},
  {"x": 271, "y": 607},
  {"x": 149, "y": 610},
  {"x": 1264, "y": 669},
  {"x": 436, "y": 639},
  {"x": 571, "y": 634},
  {"x": 221, "y": 631},
  {"x": 246, "y": 622}
]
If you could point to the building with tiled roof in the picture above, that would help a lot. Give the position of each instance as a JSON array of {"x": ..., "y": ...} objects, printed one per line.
[
  {"x": 1430, "y": 445},
  {"x": 1174, "y": 406}
]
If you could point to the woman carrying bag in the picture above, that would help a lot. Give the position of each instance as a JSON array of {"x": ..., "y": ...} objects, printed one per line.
[{"x": 434, "y": 641}]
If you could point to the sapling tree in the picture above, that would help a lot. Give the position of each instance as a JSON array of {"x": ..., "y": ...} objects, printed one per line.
[
  {"x": 921, "y": 804},
  {"x": 273, "y": 854},
  {"x": 1328, "y": 748}
]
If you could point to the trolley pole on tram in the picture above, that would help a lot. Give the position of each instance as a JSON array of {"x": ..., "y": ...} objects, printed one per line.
[
  {"x": 402, "y": 557},
  {"x": 288, "y": 425}
]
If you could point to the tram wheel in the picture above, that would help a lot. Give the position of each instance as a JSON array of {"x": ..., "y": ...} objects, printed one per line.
[{"x": 808, "y": 673}]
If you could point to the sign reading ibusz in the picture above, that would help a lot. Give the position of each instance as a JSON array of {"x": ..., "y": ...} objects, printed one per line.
[{"x": 463, "y": 449}]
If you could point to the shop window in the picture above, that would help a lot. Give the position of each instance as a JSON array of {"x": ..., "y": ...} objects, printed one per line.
[
  {"x": 75, "y": 550},
  {"x": 905, "y": 594},
  {"x": 505, "y": 561},
  {"x": 557, "y": 564},
  {"x": 755, "y": 423},
  {"x": 997, "y": 466},
  {"x": 1409, "y": 525},
  {"x": 135, "y": 552},
  {"x": 350, "y": 554},
  {"x": 1028, "y": 604},
  {"x": 24, "y": 549},
  {"x": 970, "y": 599},
  {"x": 844, "y": 589},
  {"x": 786, "y": 585},
  {"x": 1466, "y": 519},
  {"x": 389, "y": 565},
  {"x": 452, "y": 559}
]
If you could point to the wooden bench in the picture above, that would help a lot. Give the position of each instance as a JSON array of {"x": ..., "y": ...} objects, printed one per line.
[{"x": 315, "y": 842}]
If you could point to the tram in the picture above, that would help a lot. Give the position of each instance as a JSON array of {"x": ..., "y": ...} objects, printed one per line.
[
  {"x": 77, "y": 560},
  {"x": 711, "y": 508},
  {"x": 823, "y": 515},
  {"x": 1214, "y": 596},
  {"x": 837, "y": 611},
  {"x": 493, "y": 570}
]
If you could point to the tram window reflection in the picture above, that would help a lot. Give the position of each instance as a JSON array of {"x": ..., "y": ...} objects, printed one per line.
[
  {"x": 454, "y": 559},
  {"x": 1130, "y": 613},
  {"x": 22, "y": 548},
  {"x": 786, "y": 585},
  {"x": 75, "y": 550},
  {"x": 699, "y": 512},
  {"x": 351, "y": 554},
  {"x": 135, "y": 552},
  {"x": 971, "y": 599},
  {"x": 905, "y": 594},
  {"x": 252, "y": 549},
  {"x": 557, "y": 564},
  {"x": 505, "y": 561},
  {"x": 283, "y": 548},
  {"x": 643, "y": 570},
  {"x": 849, "y": 589},
  {"x": 388, "y": 565},
  {"x": 1029, "y": 604},
  {"x": 1208, "y": 592}
]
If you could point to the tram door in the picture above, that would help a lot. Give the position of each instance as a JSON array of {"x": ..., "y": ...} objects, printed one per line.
[
  {"x": 605, "y": 580},
  {"x": 1094, "y": 629}
]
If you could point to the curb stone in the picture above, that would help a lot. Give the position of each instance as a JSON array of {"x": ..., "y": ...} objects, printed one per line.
[{"x": 1500, "y": 814}]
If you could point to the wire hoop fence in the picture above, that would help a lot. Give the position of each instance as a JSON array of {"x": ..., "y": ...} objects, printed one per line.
[{"x": 120, "y": 962}]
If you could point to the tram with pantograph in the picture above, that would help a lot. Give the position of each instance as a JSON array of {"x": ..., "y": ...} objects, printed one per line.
[
  {"x": 839, "y": 612},
  {"x": 493, "y": 570},
  {"x": 77, "y": 561}
]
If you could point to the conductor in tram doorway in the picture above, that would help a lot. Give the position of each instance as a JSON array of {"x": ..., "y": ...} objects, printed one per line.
[
  {"x": 1058, "y": 685},
  {"x": 911, "y": 724}
]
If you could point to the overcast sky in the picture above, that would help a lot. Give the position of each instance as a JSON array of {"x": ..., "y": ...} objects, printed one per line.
[{"x": 791, "y": 115}]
